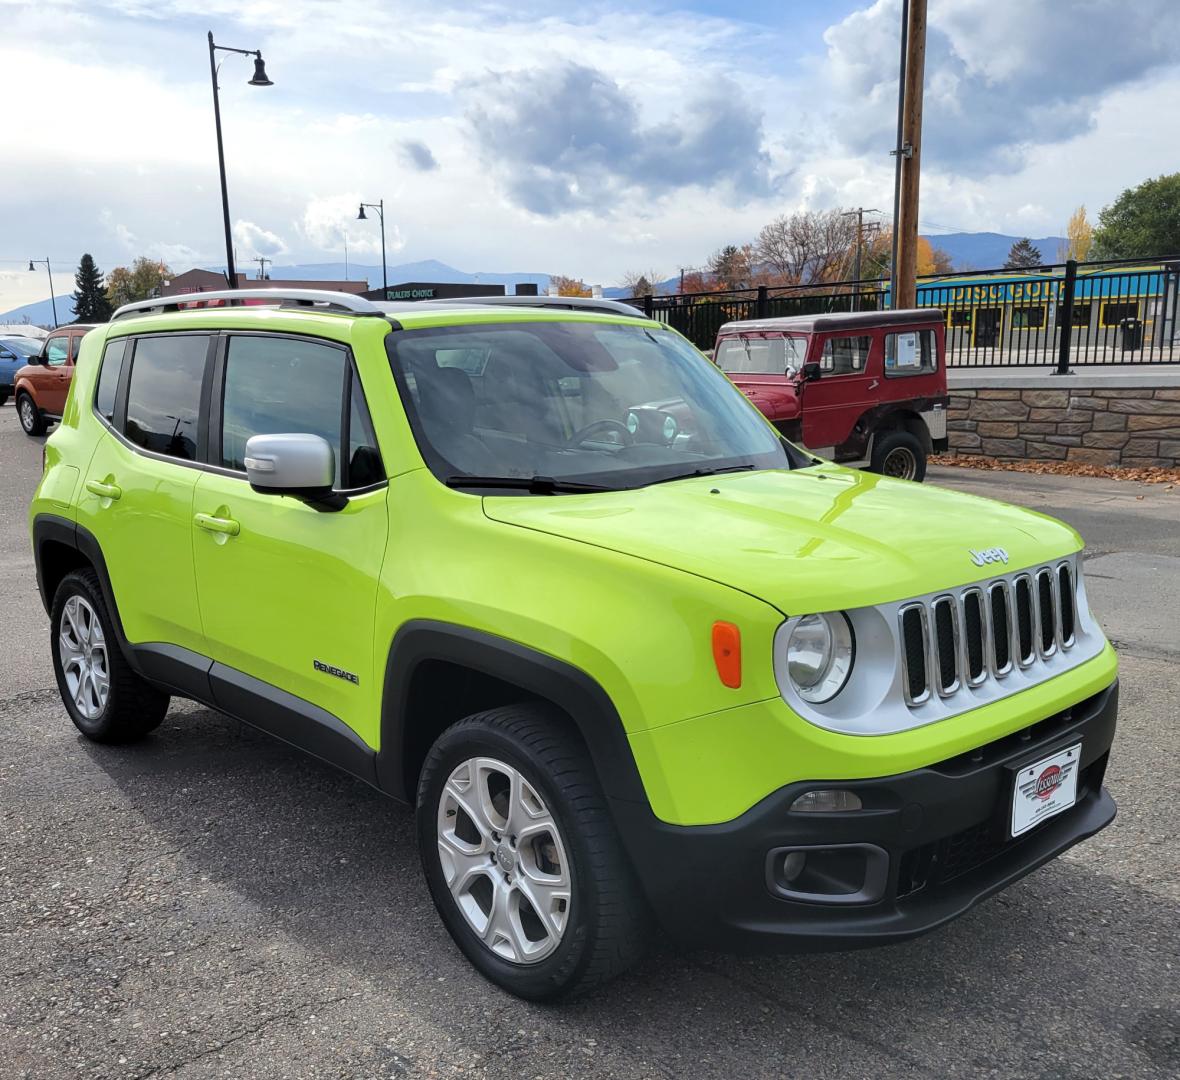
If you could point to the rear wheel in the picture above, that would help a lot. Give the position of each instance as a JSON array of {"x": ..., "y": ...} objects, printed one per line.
[
  {"x": 30, "y": 416},
  {"x": 521, "y": 855},
  {"x": 106, "y": 700},
  {"x": 900, "y": 454},
  {"x": 3, "y": 395}
]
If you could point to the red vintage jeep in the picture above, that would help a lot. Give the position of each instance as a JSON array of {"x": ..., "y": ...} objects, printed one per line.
[{"x": 866, "y": 386}]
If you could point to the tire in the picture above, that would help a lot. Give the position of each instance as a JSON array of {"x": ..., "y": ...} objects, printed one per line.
[
  {"x": 598, "y": 919},
  {"x": 3, "y": 395},
  {"x": 30, "y": 416},
  {"x": 900, "y": 454},
  {"x": 106, "y": 700}
]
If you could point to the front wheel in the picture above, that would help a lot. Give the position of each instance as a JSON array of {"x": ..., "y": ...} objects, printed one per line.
[
  {"x": 30, "y": 416},
  {"x": 522, "y": 858},
  {"x": 899, "y": 454}
]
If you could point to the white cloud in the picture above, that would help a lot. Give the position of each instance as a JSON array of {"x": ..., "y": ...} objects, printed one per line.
[
  {"x": 1027, "y": 115},
  {"x": 257, "y": 239}
]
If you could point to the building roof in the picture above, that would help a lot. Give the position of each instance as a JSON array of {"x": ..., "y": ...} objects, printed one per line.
[
  {"x": 199, "y": 280},
  {"x": 840, "y": 320}
]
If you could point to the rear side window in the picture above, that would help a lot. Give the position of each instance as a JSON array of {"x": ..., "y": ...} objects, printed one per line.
[
  {"x": 364, "y": 459},
  {"x": 279, "y": 385},
  {"x": 164, "y": 396},
  {"x": 845, "y": 355},
  {"x": 912, "y": 353},
  {"x": 108, "y": 379}
]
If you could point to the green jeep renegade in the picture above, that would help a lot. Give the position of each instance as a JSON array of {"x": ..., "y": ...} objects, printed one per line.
[{"x": 544, "y": 573}]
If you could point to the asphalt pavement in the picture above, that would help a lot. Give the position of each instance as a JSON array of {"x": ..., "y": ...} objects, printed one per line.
[{"x": 210, "y": 903}]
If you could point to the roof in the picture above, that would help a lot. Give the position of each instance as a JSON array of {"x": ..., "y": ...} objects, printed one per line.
[{"x": 841, "y": 320}]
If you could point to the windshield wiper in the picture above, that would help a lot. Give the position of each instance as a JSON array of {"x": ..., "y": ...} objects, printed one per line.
[
  {"x": 704, "y": 472},
  {"x": 535, "y": 485}
]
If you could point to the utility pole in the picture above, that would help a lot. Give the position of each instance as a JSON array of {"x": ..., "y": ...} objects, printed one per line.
[
  {"x": 904, "y": 283},
  {"x": 262, "y": 260},
  {"x": 859, "y": 214}
]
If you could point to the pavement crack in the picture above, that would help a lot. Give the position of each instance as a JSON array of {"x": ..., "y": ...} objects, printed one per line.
[{"x": 224, "y": 1044}]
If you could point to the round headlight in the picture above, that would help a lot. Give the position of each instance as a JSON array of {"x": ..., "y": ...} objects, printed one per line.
[{"x": 819, "y": 656}]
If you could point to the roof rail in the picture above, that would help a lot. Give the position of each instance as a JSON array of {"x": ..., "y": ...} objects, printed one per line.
[
  {"x": 568, "y": 303},
  {"x": 319, "y": 299}
]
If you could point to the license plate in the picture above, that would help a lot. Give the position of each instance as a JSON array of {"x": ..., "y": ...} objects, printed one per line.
[{"x": 1045, "y": 788}]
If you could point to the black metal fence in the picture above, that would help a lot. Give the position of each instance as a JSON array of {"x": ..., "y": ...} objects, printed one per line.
[{"x": 1125, "y": 312}]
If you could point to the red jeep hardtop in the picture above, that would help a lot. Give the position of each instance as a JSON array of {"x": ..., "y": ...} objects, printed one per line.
[{"x": 865, "y": 386}]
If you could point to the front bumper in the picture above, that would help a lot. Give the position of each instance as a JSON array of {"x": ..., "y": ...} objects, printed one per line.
[{"x": 937, "y": 838}]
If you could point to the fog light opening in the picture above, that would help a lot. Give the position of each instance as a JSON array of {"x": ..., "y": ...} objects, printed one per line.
[
  {"x": 826, "y": 801},
  {"x": 794, "y": 863}
]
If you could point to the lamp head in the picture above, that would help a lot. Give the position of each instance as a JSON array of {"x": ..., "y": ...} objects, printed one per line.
[
  {"x": 359, "y": 217},
  {"x": 260, "y": 78}
]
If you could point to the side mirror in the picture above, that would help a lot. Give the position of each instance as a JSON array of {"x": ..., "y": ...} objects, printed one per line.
[
  {"x": 812, "y": 371},
  {"x": 297, "y": 464}
]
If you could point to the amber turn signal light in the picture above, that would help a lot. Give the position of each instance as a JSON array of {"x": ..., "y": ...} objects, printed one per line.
[{"x": 727, "y": 653}]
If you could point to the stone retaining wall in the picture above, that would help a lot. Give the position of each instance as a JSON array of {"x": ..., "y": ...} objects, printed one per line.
[{"x": 1127, "y": 427}]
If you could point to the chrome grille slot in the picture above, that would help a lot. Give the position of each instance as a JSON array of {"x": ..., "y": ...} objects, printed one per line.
[
  {"x": 1025, "y": 645},
  {"x": 914, "y": 638},
  {"x": 1065, "y": 594},
  {"x": 971, "y": 637},
  {"x": 946, "y": 644},
  {"x": 974, "y": 636},
  {"x": 1047, "y": 617},
  {"x": 1001, "y": 620}
]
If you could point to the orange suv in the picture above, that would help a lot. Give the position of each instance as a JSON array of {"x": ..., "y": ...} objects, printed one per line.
[{"x": 41, "y": 386}]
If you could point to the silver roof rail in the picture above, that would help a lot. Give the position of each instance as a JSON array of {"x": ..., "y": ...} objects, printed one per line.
[
  {"x": 319, "y": 299},
  {"x": 602, "y": 305}
]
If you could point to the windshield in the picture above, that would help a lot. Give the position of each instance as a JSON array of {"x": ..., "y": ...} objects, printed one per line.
[
  {"x": 613, "y": 406},
  {"x": 761, "y": 355},
  {"x": 21, "y": 346}
]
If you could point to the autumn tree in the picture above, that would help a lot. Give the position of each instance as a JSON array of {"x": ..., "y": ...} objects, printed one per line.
[
  {"x": 90, "y": 296},
  {"x": 1142, "y": 221},
  {"x": 732, "y": 267},
  {"x": 1079, "y": 237},
  {"x": 878, "y": 253},
  {"x": 141, "y": 280},
  {"x": 808, "y": 246},
  {"x": 1022, "y": 256},
  {"x": 568, "y": 286}
]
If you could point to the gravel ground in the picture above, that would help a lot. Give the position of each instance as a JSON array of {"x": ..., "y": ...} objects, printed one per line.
[{"x": 211, "y": 904}]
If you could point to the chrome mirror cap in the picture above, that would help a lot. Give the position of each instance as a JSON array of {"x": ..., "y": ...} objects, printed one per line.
[{"x": 295, "y": 463}]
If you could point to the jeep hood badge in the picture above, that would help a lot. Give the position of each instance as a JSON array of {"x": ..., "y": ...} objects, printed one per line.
[{"x": 988, "y": 555}]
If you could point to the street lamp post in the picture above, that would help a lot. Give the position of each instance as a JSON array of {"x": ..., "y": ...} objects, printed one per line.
[
  {"x": 380, "y": 208},
  {"x": 49, "y": 271},
  {"x": 259, "y": 79}
]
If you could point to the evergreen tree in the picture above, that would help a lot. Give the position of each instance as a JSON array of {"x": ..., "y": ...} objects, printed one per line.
[
  {"x": 1022, "y": 255},
  {"x": 90, "y": 298}
]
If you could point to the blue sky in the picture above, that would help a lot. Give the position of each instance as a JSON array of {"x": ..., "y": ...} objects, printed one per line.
[{"x": 588, "y": 139}]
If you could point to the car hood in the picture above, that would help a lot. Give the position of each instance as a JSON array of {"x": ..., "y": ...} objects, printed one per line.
[
  {"x": 806, "y": 540},
  {"x": 777, "y": 400}
]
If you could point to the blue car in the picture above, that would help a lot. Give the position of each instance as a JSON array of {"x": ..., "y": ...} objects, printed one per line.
[{"x": 14, "y": 354}]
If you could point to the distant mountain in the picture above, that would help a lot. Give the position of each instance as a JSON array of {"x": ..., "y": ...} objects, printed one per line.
[
  {"x": 40, "y": 313},
  {"x": 426, "y": 270},
  {"x": 988, "y": 250}
]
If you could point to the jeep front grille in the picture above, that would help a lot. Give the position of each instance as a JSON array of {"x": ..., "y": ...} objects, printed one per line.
[{"x": 968, "y": 636}]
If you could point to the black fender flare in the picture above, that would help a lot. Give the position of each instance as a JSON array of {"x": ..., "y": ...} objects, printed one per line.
[{"x": 536, "y": 673}]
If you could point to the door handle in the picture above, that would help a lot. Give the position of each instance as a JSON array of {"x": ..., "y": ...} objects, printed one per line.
[
  {"x": 874, "y": 384},
  {"x": 103, "y": 491},
  {"x": 225, "y": 526}
]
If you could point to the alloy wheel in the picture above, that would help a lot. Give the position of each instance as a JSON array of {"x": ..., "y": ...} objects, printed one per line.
[
  {"x": 83, "y": 657},
  {"x": 28, "y": 418},
  {"x": 503, "y": 860}
]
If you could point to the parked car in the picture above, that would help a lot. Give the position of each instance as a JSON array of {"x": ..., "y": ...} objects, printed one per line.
[
  {"x": 41, "y": 386},
  {"x": 15, "y": 352},
  {"x": 866, "y": 387},
  {"x": 625, "y": 670}
]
